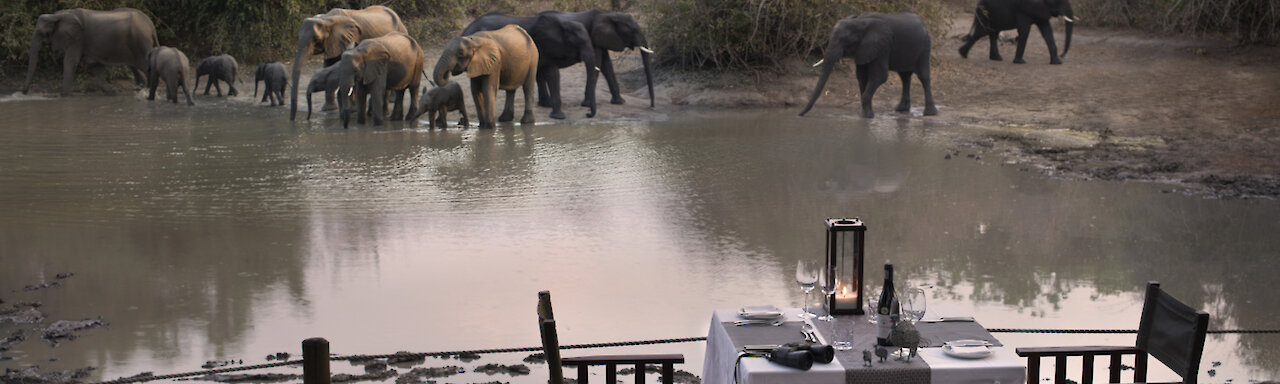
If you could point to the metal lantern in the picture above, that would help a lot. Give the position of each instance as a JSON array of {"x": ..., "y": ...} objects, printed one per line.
[{"x": 844, "y": 265}]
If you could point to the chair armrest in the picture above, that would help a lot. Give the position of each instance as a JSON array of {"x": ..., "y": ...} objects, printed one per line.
[
  {"x": 1074, "y": 351},
  {"x": 673, "y": 358}
]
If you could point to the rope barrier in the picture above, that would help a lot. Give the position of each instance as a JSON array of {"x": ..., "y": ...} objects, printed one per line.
[{"x": 139, "y": 379}]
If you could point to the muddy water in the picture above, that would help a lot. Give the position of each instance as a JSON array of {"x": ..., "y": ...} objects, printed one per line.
[{"x": 223, "y": 231}]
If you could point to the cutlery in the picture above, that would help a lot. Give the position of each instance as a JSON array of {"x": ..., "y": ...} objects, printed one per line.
[
  {"x": 750, "y": 322},
  {"x": 949, "y": 319},
  {"x": 807, "y": 330}
]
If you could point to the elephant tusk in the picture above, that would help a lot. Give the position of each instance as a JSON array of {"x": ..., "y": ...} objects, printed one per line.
[
  {"x": 815, "y": 65},
  {"x": 349, "y": 91},
  {"x": 646, "y": 50},
  {"x": 1068, "y": 19}
]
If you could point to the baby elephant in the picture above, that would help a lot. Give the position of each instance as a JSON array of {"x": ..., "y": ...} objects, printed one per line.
[
  {"x": 324, "y": 80},
  {"x": 442, "y": 100},
  {"x": 218, "y": 68},
  {"x": 171, "y": 65},
  {"x": 274, "y": 78}
]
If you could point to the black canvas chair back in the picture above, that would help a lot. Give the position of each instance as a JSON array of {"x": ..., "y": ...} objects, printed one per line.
[
  {"x": 1172, "y": 332},
  {"x": 556, "y": 364},
  {"x": 1169, "y": 330}
]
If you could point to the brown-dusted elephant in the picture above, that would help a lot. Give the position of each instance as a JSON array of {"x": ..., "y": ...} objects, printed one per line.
[
  {"x": 122, "y": 36},
  {"x": 331, "y": 33},
  {"x": 171, "y": 65},
  {"x": 503, "y": 59},
  {"x": 389, "y": 63}
]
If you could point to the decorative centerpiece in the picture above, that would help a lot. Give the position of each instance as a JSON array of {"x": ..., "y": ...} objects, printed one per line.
[{"x": 844, "y": 266}]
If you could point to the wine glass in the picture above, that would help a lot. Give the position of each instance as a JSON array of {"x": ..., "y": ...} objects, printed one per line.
[
  {"x": 913, "y": 304},
  {"x": 873, "y": 302},
  {"x": 807, "y": 277},
  {"x": 828, "y": 286}
]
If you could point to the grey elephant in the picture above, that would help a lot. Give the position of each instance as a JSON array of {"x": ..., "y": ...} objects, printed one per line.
[
  {"x": 331, "y": 33},
  {"x": 171, "y": 65},
  {"x": 122, "y": 36},
  {"x": 613, "y": 31},
  {"x": 993, "y": 16},
  {"x": 218, "y": 68},
  {"x": 274, "y": 79},
  {"x": 393, "y": 62},
  {"x": 323, "y": 80},
  {"x": 879, "y": 43},
  {"x": 561, "y": 43},
  {"x": 438, "y": 101},
  {"x": 504, "y": 59}
]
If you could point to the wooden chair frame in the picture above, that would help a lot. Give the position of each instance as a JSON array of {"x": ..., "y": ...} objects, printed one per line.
[
  {"x": 555, "y": 363},
  {"x": 1115, "y": 354}
]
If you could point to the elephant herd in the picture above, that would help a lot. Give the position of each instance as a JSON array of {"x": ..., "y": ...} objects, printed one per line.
[{"x": 370, "y": 60}]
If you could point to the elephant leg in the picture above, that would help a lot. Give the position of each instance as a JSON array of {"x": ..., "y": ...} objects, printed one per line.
[
  {"x": 207, "y": 85},
  {"x": 862, "y": 78},
  {"x": 973, "y": 37},
  {"x": 442, "y": 118},
  {"x": 551, "y": 76},
  {"x": 923, "y": 74},
  {"x": 875, "y": 77},
  {"x": 171, "y": 88},
  {"x": 139, "y": 78},
  {"x": 462, "y": 108},
  {"x": 508, "y": 107},
  {"x": 529, "y": 85},
  {"x": 482, "y": 96},
  {"x": 413, "y": 103},
  {"x": 606, "y": 68},
  {"x": 905, "y": 104},
  {"x": 153, "y": 82},
  {"x": 378, "y": 99},
  {"x": 544, "y": 90},
  {"x": 183, "y": 82},
  {"x": 231, "y": 88},
  {"x": 397, "y": 111},
  {"x": 994, "y": 37},
  {"x": 69, "y": 63},
  {"x": 1046, "y": 30},
  {"x": 1024, "y": 29}
]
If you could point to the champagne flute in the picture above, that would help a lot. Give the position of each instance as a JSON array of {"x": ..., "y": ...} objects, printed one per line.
[
  {"x": 873, "y": 302},
  {"x": 807, "y": 277},
  {"x": 913, "y": 304}
]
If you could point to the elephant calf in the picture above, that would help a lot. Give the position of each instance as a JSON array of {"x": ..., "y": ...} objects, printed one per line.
[
  {"x": 442, "y": 100},
  {"x": 274, "y": 77},
  {"x": 218, "y": 68},
  {"x": 171, "y": 65},
  {"x": 324, "y": 80}
]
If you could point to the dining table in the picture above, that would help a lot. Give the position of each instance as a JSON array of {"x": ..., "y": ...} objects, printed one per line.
[{"x": 938, "y": 360}]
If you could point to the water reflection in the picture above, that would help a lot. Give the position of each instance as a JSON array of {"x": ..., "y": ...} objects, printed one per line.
[{"x": 223, "y": 231}]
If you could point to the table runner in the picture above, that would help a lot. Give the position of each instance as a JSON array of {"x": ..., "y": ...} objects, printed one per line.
[{"x": 864, "y": 335}]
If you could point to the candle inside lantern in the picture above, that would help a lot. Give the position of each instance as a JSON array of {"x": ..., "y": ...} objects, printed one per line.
[{"x": 844, "y": 298}]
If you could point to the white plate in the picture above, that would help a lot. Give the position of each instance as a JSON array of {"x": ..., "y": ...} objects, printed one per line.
[
  {"x": 967, "y": 349},
  {"x": 760, "y": 312}
]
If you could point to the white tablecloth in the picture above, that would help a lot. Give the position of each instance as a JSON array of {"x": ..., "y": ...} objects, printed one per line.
[{"x": 1002, "y": 366}]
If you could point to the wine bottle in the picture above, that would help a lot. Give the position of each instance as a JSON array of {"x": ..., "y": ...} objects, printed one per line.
[{"x": 885, "y": 307}]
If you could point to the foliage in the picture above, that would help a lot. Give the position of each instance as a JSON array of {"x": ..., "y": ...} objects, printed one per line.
[
  {"x": 1249, "y": 21},
  {"x": 754, "y": 33}
]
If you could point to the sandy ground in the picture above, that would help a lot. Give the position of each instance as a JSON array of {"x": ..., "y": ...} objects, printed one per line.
[{"x": 1200, "y": 113}]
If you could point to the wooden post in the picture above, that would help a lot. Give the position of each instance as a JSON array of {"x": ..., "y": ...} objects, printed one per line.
[{"x": 315, "y": 361}]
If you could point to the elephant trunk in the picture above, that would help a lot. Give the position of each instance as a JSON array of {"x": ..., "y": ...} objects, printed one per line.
[
  {"x": 308, "y": 103},
  {"x": 440, "y": 75},
  {"x": 648, "y": 73},
  {"x": 299, "y": 59},
  {"x": 36, "y": 42},
  {"x": 828, "y": 64},
  {"x": 344, "y": 100},
  {"x": 1067, "y": 45}
]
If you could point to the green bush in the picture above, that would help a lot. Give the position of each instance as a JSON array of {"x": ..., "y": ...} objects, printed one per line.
[
  {"x": 1248, "y": 21},
  {"x": 722, "y": 34}
]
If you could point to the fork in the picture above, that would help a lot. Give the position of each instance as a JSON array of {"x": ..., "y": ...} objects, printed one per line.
[{"x": 769, "y": 322}]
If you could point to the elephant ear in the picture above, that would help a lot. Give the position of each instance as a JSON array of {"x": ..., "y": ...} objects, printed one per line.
[
  {"x": 875, "y": 43},
  {"x": 372, "y": 63},
  {"x": 342, "y": 32},
  {"x": 67, "y": 30},
  {"x": 605, "y": 34},
  {"x": 486, "y": 58}
]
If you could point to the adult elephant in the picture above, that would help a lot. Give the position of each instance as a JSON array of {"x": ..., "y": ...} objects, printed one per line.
[
  {"x": 993, "y": 16},
  {"x": 879, "y": 43},
  {"x": 331, "y": 33},
  {"x": 393, "y": 62},
  {"x": 561, "y": 43},
  {"x": 503, "y": 59},
  {"x": 122, "y": 36},
  {"x": 612, "y": 31}
]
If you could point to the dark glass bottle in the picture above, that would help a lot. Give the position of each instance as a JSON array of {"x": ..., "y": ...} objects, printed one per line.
[{"x": 884, "y": 309}]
